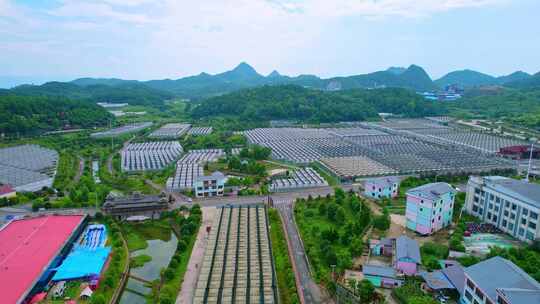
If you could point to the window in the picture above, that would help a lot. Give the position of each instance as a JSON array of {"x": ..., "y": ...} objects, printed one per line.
[
  {"x": 506, "y": 204},
  {"x": 496, "y": 208},
  {"x": 476, "y": 190},
  {"x": 475, "y": 208},
  {"x": 534, "y": 215},
  {"x": 479, "y": 293},
  {"x": 468, "y": 295},
  {"x": 421, "y": 209},
  {"x": 439, "y": 217},
  {"x": 512, "y": 216},
  {"x": 530, "y": 236},
  {"x": 470, "y": 284},
  {"x": 504, "y": 223},
  {"x": 523, "y": 221},
  {"x": 490, "y": 206},
  {"x": 489, "y": 215},
  {"x": 497, "y": 200},
  {"x": 514, "y": 206},
  {"x": 521, "y": 231},
  {"x": 511, "y": 226},
  {"x": 475, "y": 199},
  {"x": 525, "y": 212},
  {"x": 481, "y": 211},
  {"x": 494, "y": 218},
  {"x": 532, "y": 225},
  {"x": 491, "y": 197},
  {"x": 505, "y": 213}
]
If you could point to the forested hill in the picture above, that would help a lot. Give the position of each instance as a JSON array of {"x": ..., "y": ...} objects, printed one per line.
[
  {"x": 131, "y": 92},
  {"x": 32, "y": 115},
  {"x": 298, "y": 103}
]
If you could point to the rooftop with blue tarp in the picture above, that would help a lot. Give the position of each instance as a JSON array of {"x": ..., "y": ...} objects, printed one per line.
[{"x": 82, "y": 263}]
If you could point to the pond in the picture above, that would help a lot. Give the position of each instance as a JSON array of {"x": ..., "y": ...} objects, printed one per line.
[{"x": 161, "y": 252}]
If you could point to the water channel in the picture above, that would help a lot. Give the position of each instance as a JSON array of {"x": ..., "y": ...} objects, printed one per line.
[{"x": 161, "y": 253}]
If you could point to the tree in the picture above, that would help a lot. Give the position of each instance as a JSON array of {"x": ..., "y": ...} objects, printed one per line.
[{"x": 366, "y": 291}]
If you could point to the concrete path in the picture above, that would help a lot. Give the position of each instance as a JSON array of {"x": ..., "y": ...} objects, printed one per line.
[
  {"x": 187, "y": 290},
  {"x": 80, "y": 172}
]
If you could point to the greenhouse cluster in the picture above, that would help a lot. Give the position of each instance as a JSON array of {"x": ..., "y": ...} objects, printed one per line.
[
  {"x": 150, "y": 156},
  {"x": 396, "y": 146},
  {"x": 170, "y": 130},
  {"x": 197, "y": 131},
  {"x": 301, "y": 178},
  {"x": 185, "y": 176},
  {"x": 28, "y": 167},
  {"x": 130, "y": 128}
]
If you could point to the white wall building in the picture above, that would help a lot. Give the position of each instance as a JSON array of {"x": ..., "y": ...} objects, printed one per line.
[{"x": 511, "y": 205}]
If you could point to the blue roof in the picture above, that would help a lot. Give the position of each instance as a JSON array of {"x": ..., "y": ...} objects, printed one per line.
[
  {"x": 436, "y": 280},
  {"x": 407, "y": 248},
  {"x": 432, "y": 190},
  {"x": 518, "y": 295},
  {"x": 384, "y": 182},
  {"x": 499, "y": 273},
  {"x": 456, "y": 275},
  {"x": 521, "y": 190},
  {"x": 81, "y": 263},
  {"x": 380, "y": 271}
]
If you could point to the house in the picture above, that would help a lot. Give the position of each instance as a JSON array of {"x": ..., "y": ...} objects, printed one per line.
[
  {"x": 451, "y": 278},
  {"x": 406, "y": 255},
  {"x": 382, "y": 247},
  {"x": 430, "y": 207},
  {"x": 382, "y": 187},
  {"x": 122, "y": 208},
  {"x": 498, "y": 280},
  {"x": 511, "y": 205},
  {"x": 6, "y": 191},
  {"x": 211, "y": 185},
  {"x": 382, "y": 276}
]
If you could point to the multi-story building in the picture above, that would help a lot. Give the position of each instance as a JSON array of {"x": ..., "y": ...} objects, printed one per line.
[
  {"x": 211, "y": 185},
  {"x": 430, "y": 207},
  {"x": 382, "y": 187},
  {"x": 498, "y": 280},
  {"x": 511, "y": 205}
]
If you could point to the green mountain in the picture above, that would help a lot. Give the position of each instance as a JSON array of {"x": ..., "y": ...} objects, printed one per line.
[
  {"x": 470, "y": 79},
  {"x": 244, "y": 76},
  {"x": 32, "y": 115},
  {"x": 311, "y": 105},
  {"x": 130, "y": 92},
  {"x": 466, "y": 79},
  {"x": 516, "y": 76},
  {"x": 526, "y": 83}
]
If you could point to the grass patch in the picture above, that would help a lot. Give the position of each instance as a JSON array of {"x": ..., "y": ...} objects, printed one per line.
[
  {"x": 139, "y": 260},
  {"x": 136, "y": 234},
  {"x": 285, "y": 274}
]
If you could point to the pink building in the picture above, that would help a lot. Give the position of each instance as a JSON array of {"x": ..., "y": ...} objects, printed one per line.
[
  {"x": 430, "y": 207},
  {"x": 406, "y": 255}
]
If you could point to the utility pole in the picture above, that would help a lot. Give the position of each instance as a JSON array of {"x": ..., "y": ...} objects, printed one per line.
[{"x": 530, "y": 161}]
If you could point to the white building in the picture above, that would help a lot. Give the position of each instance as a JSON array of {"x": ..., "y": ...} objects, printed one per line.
[
  {"x": 211, "y": 185},
  {"x": 511, "y": 205}
]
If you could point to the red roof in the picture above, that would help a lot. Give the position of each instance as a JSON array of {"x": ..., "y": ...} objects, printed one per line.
[
  {"x": 28, "y": 246},
  {"x": 5, "y": 189}
]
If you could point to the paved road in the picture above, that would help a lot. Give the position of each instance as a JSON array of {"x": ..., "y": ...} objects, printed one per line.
[
  {"x": 189, "y": 284},
  {"x": 77, "y": 177},
  {"x": 309, "y": 289}
]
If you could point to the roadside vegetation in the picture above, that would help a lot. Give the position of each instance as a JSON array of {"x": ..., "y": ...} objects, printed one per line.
[
  {"x": 172, "y": 276},
  {"x": 332, "y": 229},
  {"x": 284, "y": 270},
  {"x": 411, "y": 293}
]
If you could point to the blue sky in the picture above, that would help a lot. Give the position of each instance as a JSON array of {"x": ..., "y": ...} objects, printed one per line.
[{"x": 149, "y": 39}]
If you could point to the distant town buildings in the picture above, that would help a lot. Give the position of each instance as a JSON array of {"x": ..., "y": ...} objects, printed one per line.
[
  {"x": 430, "y": 207},
  {"x": 382, "y": 187},
  {"x": 510, "y": 205},
  {"x": 498, "y": 280}
]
